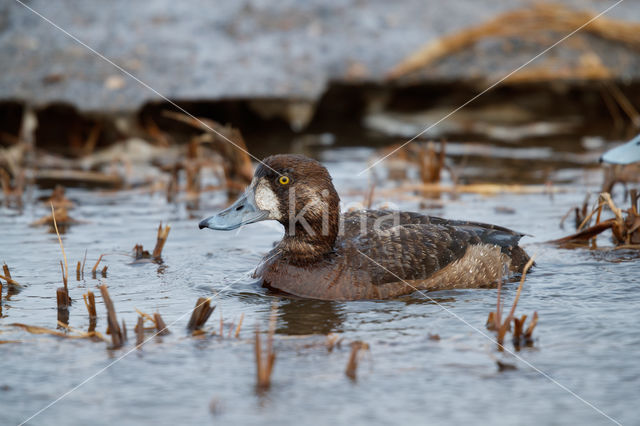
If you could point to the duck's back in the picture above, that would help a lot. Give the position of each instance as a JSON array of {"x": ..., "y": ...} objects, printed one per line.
[{"x": 383, "y": 254}]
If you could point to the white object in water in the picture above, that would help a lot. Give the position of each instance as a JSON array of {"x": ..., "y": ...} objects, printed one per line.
[{"x": 623, "y": 154}]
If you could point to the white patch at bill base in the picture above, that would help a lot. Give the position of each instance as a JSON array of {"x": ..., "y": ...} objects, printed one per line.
[{"x": 267, "y": 200}]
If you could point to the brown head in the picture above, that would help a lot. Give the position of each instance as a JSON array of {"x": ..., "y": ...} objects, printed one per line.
[{"x": 297, "y": 192}]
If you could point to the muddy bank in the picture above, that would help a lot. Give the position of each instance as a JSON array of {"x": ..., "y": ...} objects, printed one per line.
[{"x": 291, "y": 50}]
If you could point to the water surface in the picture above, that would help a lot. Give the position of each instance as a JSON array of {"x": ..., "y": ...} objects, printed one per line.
[{"x": 587, "y": 340}]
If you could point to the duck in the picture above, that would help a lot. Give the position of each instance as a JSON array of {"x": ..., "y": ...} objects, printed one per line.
[
  {"x": 365, "y": 254},
  {"x": 627, "y": 153}
]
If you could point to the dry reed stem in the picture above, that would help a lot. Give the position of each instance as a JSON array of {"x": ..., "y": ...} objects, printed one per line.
[
  {"x": 532, "y": 324},
  {"x": 146, "y": 316},
  {"x": 586, "y": 234},
  {"x": 352, "y": 364},
  {"x": 498, "y": 314},
  {"x": 84, "y": 260},
  {"x": 42, "y": 330},
  {"x": 237, "y": 333},
  {"x": 163, "y": 234},
  {"x": 10, "y": 280},
  {"x": 95, "y": 267},
  {"x": 139, "y": 332},
  {"x": 90, "y": 303},
  {"x": 104, "y": 271},
  {"x": 526, "y": 268},
  {"x": 65, "y": 271},
  {"x": 333, "y": 340},
  {"x": 161, "y": 327},
  {"x": 78, "y": 266},
  {"x": 265, "y": 363},
  {"x": 504, "y": 327},
  {"x": 112, "y": 320},
  {"x": 518, "y": 323},
  {"x": 6, "y": 270},
  {"x": 124, "y": 331},
  {"x": 590, "y": 215},
  {"x": 62, "y": 298},
  {"x": 200, "y": 314}
]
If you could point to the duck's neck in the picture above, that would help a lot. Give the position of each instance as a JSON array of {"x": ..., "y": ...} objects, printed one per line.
[{"x": 312, "y": 236}]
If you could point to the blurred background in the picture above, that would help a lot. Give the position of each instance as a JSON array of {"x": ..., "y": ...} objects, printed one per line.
[
  {"x": 118, "y": 115},
  {"x": 291, "y": 75}
]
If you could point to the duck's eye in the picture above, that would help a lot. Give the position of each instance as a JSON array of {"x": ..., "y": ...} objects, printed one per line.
[{"x": 284, "y": 180}]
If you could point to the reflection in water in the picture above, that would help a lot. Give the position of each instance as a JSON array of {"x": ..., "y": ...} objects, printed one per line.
[
  {"x": 427, "y": 298},
  {"x": 299, "y": 317}
]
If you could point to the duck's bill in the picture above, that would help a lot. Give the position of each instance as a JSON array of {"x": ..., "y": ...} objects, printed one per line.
[
  {"x": 242, "y": 212},
  {"x": 623, "y": 154}
]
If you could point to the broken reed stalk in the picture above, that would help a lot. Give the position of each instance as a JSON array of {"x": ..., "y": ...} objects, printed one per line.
[
  {"x": 588, "y": 217},
  {"x": 104, "y": 271},
  {"x": 161, "y": 327},
  {"x": 78, "y": 270},
  {"x": 333, "y": 340},
  {"x": 65, "y": 270},
  {"x": 200, "y": 314},
  {"x": 5, "y": 269},
  {"x": 124, "y": 331},
  {"x": 63, "y": 301},
  {"x": 95, "y": 267},
  {"x": 528, "y": 339},
  {"x": 84, "y": 260},
  {"x": 117, "y": 337},
  {"x": 41, "y": 330},
  {"x": 352, "y": 365},
  {"x": 501, "y": 327},
  {"x": 163, "y": 234},
  {"x": 90, "y": 303},
  {"x": 264, "y": 364},
  {"x": 10, "y": 280},
  {"x": 237, "y": 333},
  {"x": 62, "y": 298},
  {"x": 139, "y": 332}
]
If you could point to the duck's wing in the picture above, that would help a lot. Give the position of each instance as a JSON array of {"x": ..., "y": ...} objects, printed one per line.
[{"x": 417, "y": 251}]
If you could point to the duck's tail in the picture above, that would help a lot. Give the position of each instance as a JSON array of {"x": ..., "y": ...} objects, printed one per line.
[{"x": 519, "y": 259}]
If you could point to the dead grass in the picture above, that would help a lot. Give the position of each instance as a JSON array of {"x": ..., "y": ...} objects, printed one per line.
[
  {"x": 625, "y": 225},
  {"x": 117, "y": 336},
  {"x": 78, "y": 334},
  {"x": 161, "y": 327},
  {"x": 354, "y": 358},
  {"x": 7, "y": 276},
  {"x": 527, "y": 23},
  {"x": 90, "y": 303},
  {"x": 238, "y": 170},
  {"x": 266, "y": 361},
  {"x": 139, "y": 253},
  {"x": 495, "y": 321},
  {"x": 200, "y": 314}
]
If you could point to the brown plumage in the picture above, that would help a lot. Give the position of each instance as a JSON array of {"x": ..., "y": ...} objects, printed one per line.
[{"x": 367, "y": 254}]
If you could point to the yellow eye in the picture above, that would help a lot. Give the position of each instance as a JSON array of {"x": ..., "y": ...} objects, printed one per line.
[{"x": 284, "y": 180}]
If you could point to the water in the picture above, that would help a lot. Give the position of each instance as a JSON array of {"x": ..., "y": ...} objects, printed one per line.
[{"x": 585, "y": 358}]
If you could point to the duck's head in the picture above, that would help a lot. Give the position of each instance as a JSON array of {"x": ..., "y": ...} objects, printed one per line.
[{"x": 291, "y": 189}]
